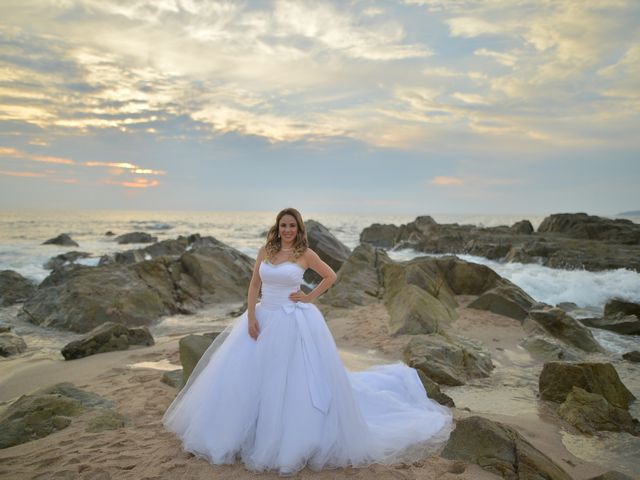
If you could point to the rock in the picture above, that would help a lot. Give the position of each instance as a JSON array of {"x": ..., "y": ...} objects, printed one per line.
[
  {"x": 624, "y": 325},
  {"x": 633, "y": 356},
  {"x": 501, "y": 450},
  {"x": 36, "y": 416},
  {"x": 69, "y": 390},
  {"x": 417, "y": 297},
  {"x": 558, "y": 378},
  {"x": 413, "y": 311},
  {"x": 173, "y": 247},
  {"x": 331, "y": 250},
  {"x": 612, "y": 475},
  {"x": 5, "y": 327},
  {"x": 562, "y": 326},
  {"x": 360, "y": 280},
  {"x": 192, "y": 347},
  {"x": 135, "y": 237},
  {"x": 80, "y": 298},
  {"x": 591, "y": 227},
  {"x": 508, "y": 300},
  {"x": 616, "y": 307},
  {"x": 173, "y": 378},
  {"x": 515, "y": 244},
  {"x": 378, "y": 235},
  {"x": 547, "y": 350},
  {"x": 64, "y": 258},
  {"x": 62, "y": 239},
  {"x": 446, "y": 362},
  {"x": 14, "y": 288},
  {"x": 109, "y": 233},
  {"x": 591, "y": 413},
  {"x": 523, "y": 227},
  {"x": 106, "y": 337},
  {"x": 11, "y": 344},
  {"x": 467, "y": 278},
  {"x": 106, "y": 419},
  {"x": 434, "y": 392}
]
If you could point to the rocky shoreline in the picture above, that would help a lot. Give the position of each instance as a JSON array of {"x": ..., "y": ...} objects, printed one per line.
[{"x": 473, "y": 336}]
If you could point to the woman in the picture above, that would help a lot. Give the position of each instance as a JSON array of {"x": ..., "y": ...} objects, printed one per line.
[{"x": 272, "y": 390}]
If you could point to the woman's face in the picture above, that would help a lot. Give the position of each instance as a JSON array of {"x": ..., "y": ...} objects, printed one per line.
[{"x": 288, "y": 228}]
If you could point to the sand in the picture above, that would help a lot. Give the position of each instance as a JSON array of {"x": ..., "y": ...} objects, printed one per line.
[{"x": 143, "y": 450}]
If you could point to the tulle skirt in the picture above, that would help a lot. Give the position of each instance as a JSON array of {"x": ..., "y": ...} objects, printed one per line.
[{"x": 286, "y": 401}]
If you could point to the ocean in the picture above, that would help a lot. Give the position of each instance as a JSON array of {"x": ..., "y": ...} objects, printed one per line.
[{"x": 22, "y": 234}]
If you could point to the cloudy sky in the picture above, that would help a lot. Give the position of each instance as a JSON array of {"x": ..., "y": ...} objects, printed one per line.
[{"x": 409, "y": 106}]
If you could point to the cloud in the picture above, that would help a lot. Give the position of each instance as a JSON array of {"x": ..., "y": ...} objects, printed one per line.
[
  {"x": 138, "y": 183},
  {"x": 447, "y": 181}
]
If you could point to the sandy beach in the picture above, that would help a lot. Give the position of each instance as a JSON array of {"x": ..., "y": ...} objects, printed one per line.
[{"x": 144, "y": 450}]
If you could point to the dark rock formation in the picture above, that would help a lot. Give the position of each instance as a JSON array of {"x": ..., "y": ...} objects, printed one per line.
[
  {"x": 107, "y": 337},
  {"x": 447, "y": 361},
  {"x": 135, "y": 237},
  {"x": 64, "y": 258},
  {"x": 508, "y": 300},
  {"x": 591, "y": 413},
  {"x": 501, "y": 450},
  {"x": 192, "y": 347},
  {"x": 559, "y": 324},
  {"x": 591, "y": 227},
  {"x": 36, "y": 416},
  {"x": 360, "y": 280},
  {"x": 11, "y": 344},
  {"x": 548, "y": 349},
  {"x": 79, "y": 298},
  {"x": 623, "y": 324},
  {"x": 62, "y": 239},
  {"x": 558, "y": 378},
  {"x": 434, "y": 392},
  {"x": 633, "y": 356},
  {"x": 14, "y": 288},
  {"x": 616, "y": 307},
  {"x": 609, "y": 245},
  {"x": 331, "y": 250},
  {"x": 173, "y": 378}
]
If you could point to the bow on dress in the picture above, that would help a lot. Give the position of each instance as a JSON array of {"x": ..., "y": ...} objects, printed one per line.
[{"x": 316, "y": 378}]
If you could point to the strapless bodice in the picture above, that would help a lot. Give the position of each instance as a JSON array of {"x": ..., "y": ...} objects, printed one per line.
[{"x": 278, "y": 282}]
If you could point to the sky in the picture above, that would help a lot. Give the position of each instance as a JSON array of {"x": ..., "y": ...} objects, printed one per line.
[{"x": 406, "y": 106}]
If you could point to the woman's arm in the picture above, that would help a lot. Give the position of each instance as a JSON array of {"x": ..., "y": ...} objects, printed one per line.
[
  {"x": 314, "y": 262},
  {"x": 252, "y": 295}
]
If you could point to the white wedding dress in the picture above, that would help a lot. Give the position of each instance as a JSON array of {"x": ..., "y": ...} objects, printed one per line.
[{"x": 285, "y": 400}]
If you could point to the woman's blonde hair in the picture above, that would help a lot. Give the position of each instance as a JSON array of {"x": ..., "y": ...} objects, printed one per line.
[{"x": 274, "y": 242}]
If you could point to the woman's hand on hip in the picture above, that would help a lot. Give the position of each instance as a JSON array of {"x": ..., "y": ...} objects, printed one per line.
[{"x": 299, "y": 296}]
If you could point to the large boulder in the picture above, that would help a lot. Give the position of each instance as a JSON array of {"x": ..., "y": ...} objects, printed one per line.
[
  {"x": 135, "y": 237},
  {"x": 561, "y": 325},
  {"x": 632, "y": 356},
  {"x": 591, "y": 413},
  {"x": 331, "y": 250},
  {"x": 69, "y": 390},
  {"x": 80, "y": 298},
  {"x": 623, "y": 324},
  {"x": 379, "y": 235},
  {"x": 591, "y": 227},
  {"x": 360, "y": 280},
  {"x": 618, "y": 307},
  {"x": 63, "y": 239},
  {"x": 107, "y": 337},
  {"x": 14, "y": 288},
  {"x": 417, "y": 297},
  {"x": 447, "y": 361},
  {"x": 523, "y": 227},
  {"x": 557, "y": 379},
  {"x": 170, "y": 247},
  {"x": 36, "y": 416},
  {"x": 192, "y": 347},
  {"x": 508, "y": 300},
  {"x": 11, "y": 344},
  {"x": 501, "y": 450},
  {"x": 468, "y": 278}
]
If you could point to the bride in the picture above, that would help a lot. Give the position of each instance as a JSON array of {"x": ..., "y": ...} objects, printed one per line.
[{"x": 272, "y": 390}]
